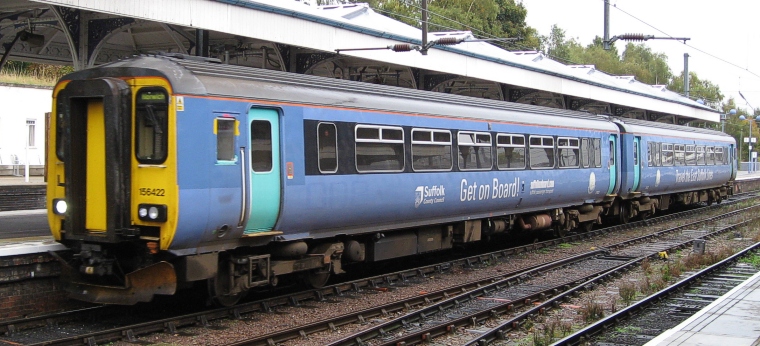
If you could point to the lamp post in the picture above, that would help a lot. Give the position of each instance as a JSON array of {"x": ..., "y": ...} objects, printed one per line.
[{"x": 751, "y": 167}]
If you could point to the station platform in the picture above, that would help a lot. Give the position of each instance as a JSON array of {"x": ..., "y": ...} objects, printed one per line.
[
  {"x": 744, "y": 175},
  {"x": 12, "y": 180},
  {"x": 733, "y": 319}
]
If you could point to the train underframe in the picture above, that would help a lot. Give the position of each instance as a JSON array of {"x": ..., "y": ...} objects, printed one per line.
[{"x": 229, "y": 275}]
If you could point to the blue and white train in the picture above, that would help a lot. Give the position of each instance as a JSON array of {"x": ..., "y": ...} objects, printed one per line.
[{"x": 167, "y": 170}]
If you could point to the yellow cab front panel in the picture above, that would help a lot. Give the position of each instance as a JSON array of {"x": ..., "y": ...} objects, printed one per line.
[{"x": 111, "y": 163}]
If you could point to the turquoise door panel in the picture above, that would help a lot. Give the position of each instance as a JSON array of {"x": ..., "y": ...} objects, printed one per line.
[
  {"x": 264, "y": 170},
  {"x": 733, "y": 159},
  {"x": 636, "y": 163},
  {"x": 613, "y": 164}
]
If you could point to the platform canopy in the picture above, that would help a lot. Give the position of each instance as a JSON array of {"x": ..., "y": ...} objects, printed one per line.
[{"x": 291, "y": 36}]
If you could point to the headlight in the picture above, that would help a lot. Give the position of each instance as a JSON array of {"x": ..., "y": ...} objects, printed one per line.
[
  {"x": 60, "y": 206},
  {"x": 152, "y": 212}
]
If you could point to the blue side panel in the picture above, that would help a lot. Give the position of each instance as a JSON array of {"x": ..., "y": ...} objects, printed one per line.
[
  {"x": 210, "y": 190},
  {"x": 673, "y": 179},
  {"x": 293, "y": 148},
  {"x": 327, "y": 204}
]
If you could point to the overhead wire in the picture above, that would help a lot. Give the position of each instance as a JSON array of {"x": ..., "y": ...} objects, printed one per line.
[
  {"x": 473, "y": 29},
  {"x": 686, "y": 44}
]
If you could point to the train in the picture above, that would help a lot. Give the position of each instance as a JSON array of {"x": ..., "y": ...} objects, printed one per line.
[{"x": 171, "y": 171}]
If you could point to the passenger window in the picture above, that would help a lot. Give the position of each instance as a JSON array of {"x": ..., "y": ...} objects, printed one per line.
[
  {"x": 680, "y": 155},
  {"x": 431, "y": 150},
  {"x": 379, "y": 149},
  {"x": 151, "y": 122},
  {"x": 691, "y": 156},
  {"x": 568, "y": 152},
  {"x": 635, "y": 154},
  {"x": 541, "y": 152},
  {"x": 657, "y": 154},
  {"x": 650, "y": 157},
  {"x": 475, "y": 151},
  {"x": 225, "y": 139},
  {"x": 585, "y": 153},
  {"x": 596, "y": 147},
  {"x": 261, "y": 146},
  {"x": 510, "y": 151},
  {"x": 327, "y": 142},
  {"x": 700, "y": 155},
  {"x": 667, "y": 154},
  {"x": 710, "y": 156},
  {"x": 612, "y": 154},
  {"x": 718, "y": 155}
]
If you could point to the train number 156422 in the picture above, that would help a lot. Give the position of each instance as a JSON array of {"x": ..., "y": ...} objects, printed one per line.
[{"x": 145, "y": 191}]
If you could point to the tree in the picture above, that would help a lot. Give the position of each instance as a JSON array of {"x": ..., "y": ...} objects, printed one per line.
[
  {"x": 738, "y": 128},
  {"x": 556, "y": 46},
  {"x": 698, "y": 88},
  {"x": 485, "y": 18},
  {"x": 648, "y": 67},
  {"x": 511, "y": 18}
]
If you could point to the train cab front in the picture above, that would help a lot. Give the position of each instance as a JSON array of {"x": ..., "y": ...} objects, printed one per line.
[{"x": 112, "y": 191}]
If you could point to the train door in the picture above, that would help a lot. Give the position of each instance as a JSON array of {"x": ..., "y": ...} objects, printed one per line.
[
  {"x": 95, "y": 203},
  {"x": 613, "y": 164},
  {"x": 732, "y": 160},
  {"x": 264, "y": 157},
  {"x": 636, "y": 163},
  {"x": 91, "y": 124}
]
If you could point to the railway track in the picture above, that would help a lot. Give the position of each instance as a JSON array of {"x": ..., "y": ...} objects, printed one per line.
[
  {"x": 647, "y": 318},
  {"x": 447, "y": 316},
  {"x": 343, "y": 290}
]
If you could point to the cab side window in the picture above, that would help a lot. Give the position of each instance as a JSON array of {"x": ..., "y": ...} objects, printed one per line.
[{"x": 225, "y": 139}]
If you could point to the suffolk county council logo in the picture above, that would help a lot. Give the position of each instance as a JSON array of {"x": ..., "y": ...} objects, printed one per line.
[
  {"x": 429, "y": 195},
  {"x": 418, "y": 196}
]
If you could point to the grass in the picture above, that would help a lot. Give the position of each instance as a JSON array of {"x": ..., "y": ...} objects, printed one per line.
[
  {"x": 565, "y": 246},
  {"x": 753, "y": 259},
  {"x": 627, "y": 291},
  {"x": 591, "y": 311},
  {"x": 11, "y": 77}
]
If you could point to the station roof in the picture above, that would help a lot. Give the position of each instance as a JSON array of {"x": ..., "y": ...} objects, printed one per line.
[
  {"x": 485, "y": 61},
  {"x": 325, "y": 29}
]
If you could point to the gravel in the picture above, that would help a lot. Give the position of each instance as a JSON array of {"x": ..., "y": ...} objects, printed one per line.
[{"x": 227, "y": 331}]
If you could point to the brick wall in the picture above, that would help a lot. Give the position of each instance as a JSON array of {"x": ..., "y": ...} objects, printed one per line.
[
  {"x": 21, "y": 197},
  {"x": 29, "y": 286}
]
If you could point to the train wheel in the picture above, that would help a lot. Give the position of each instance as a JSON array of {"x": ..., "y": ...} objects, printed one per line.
[
  {"x": 317, "y": 278},
  {"x": 560, "y": 231},
  {"x": 586, "y": 227},
  {"x": 625, "y": 216},
  {"x": 219, "y": 286}
]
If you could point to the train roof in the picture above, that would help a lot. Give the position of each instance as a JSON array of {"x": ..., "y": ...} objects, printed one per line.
[
  {"x": 201, "y": 76},
  {"x": 671, "y": 130}
]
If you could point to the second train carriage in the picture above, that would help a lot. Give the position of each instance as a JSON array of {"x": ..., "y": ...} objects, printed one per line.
[
  {"x": 664, "y": 164},
  {"x": 176, "y": 170}
]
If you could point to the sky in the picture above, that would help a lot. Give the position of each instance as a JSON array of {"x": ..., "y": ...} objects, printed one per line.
[{"x": 727, "y": 29}]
